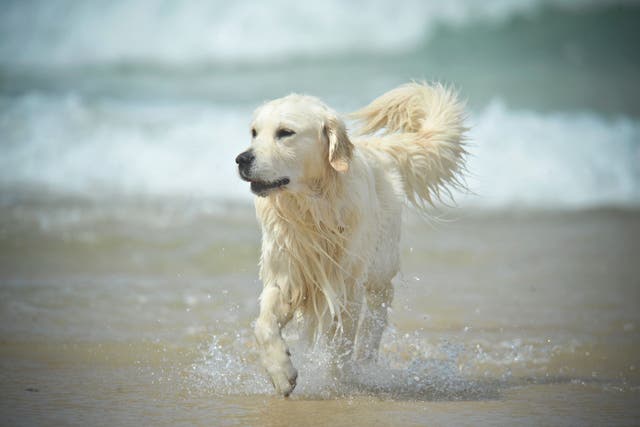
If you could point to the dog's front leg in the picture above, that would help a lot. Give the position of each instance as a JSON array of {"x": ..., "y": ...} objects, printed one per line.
[{"x": 274, "y": 315}]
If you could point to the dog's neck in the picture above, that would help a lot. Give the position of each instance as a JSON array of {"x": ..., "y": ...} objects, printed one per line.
[
  {"x": 320, "y": 202},
  {"x": 305, "y": 237}
]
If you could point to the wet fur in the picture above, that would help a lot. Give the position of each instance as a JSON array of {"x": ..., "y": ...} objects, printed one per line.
[{"x": 330, "y": 238}]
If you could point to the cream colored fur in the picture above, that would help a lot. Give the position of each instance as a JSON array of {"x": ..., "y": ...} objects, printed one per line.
[{"x": 331, "y": 233}]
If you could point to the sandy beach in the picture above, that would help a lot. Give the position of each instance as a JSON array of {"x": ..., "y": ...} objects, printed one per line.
[{"x": 141, "y": 314}]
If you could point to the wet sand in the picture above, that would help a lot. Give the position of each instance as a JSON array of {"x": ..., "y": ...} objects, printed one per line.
[{"x": 141, "y": 314}]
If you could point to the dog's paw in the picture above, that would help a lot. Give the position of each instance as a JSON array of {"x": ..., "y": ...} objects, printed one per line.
[{"x": 283, "y": 378}]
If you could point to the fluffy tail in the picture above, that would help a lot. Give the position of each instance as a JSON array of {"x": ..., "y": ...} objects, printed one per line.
[{"x": 422, "y": 130}]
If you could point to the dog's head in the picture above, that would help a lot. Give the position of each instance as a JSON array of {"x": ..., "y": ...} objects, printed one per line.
[{"x": 295, "y": 142}]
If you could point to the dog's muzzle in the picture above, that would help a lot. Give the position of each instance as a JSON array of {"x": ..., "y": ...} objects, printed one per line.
[
  {"x": 258, "y": 187},
  {"x": 245, "y": 161}
]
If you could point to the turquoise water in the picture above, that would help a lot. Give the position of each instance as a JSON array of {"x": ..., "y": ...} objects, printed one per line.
[{"x": 153, "y": 99}]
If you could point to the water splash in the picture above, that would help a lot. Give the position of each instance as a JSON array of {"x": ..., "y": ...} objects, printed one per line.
[{"x": 410, "y": 367}]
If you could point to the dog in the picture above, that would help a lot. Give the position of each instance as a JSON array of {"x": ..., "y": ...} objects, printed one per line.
[{"x": 330, "y": 208}]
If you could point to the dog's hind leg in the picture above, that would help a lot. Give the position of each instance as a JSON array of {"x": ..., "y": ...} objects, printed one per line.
[
  {"x": 275, "y": 313},
  {"x": 378, "y": 301},
  {"x": 345, "y": 338}
]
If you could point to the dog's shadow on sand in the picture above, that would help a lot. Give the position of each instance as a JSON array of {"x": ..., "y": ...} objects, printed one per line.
[
  {"x": 418, "y": 382},
  {"x": 423, "y": 380}
]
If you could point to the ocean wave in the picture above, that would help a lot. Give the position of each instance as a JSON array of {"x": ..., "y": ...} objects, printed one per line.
[
  {"x": 68, "y": 33},
  {"x": 71, "y": 145},
  {"x": 570, "y": 160}
]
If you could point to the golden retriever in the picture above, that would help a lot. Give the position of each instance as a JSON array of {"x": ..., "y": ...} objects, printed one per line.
[{"x": 330, "y": 209}]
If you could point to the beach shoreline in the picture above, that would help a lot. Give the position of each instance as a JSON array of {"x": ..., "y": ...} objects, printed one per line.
[{"x": 502, "y": 316}]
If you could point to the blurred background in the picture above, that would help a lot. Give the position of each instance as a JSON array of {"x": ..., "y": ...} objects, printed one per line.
[
  {"x": 153, "y": 98},
  {"x": 129, "y": 246}
]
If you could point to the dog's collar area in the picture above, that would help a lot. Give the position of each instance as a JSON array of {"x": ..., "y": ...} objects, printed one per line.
[{"x": 261, "y": 188}]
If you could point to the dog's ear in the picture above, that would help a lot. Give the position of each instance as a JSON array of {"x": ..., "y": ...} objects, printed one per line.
[{"x": 340, "y": 147}]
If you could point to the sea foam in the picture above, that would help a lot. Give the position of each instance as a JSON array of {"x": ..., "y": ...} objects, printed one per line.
[{"x": 117, "y": 147}]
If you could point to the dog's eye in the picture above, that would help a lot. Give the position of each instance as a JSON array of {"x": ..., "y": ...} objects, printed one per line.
[
  {"x": 283, "y": 133},
  {"x": 253, "y": 133}
]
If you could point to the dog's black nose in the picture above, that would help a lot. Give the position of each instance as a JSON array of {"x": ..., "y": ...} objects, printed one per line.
[{"x": 245, "y": 158}]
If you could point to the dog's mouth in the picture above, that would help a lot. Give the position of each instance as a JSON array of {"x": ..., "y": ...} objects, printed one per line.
[{"x": 262, "y": 188}]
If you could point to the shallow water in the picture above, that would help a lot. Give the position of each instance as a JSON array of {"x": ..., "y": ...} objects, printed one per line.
[{"x": 141, "y": 312}]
